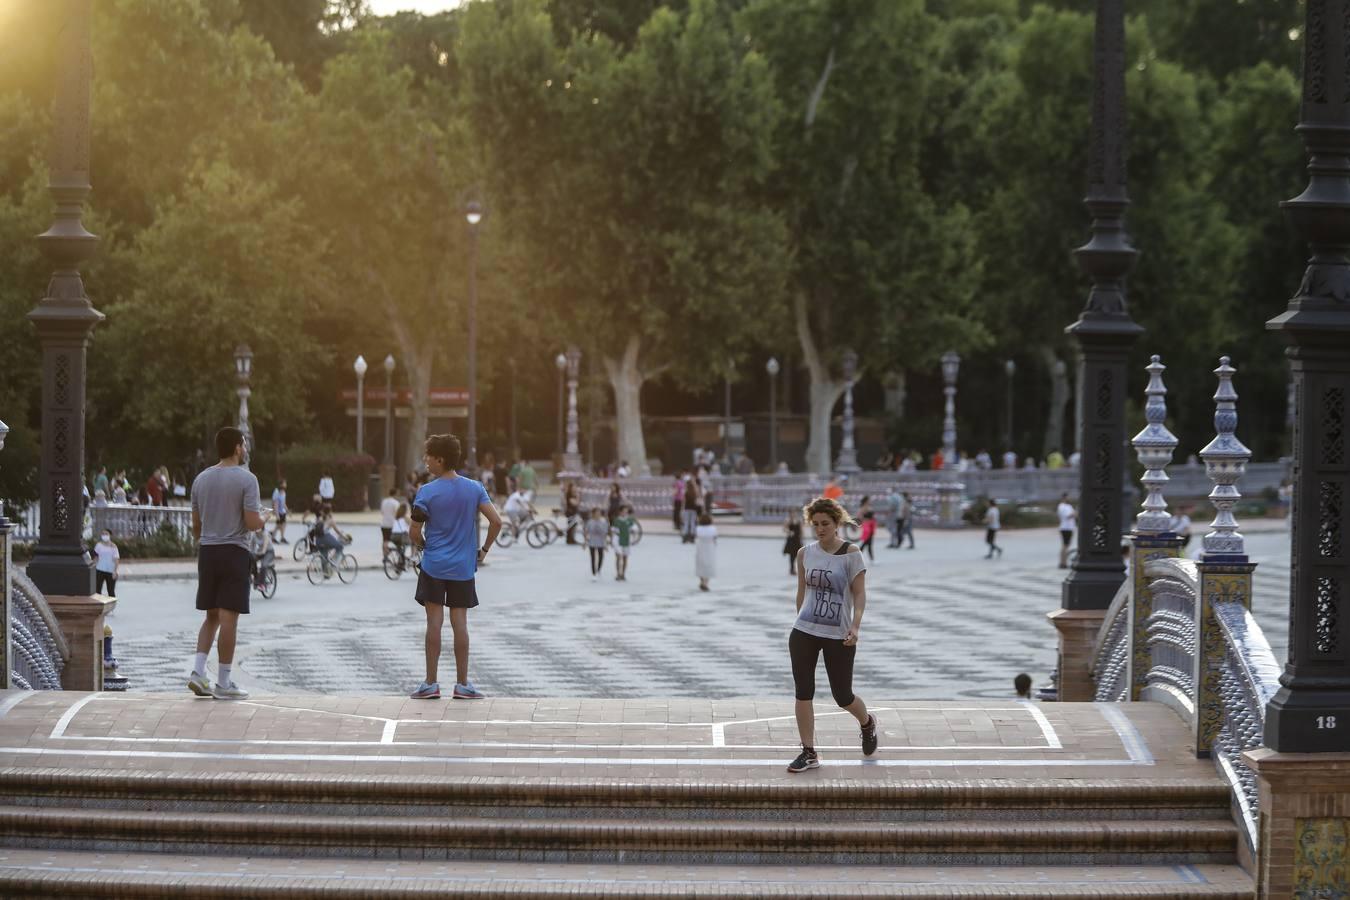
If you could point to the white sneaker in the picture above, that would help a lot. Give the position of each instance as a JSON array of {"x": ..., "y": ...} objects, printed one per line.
[
  {"x": 199, "y": 685},
  {"x": 229, "y": 691}
]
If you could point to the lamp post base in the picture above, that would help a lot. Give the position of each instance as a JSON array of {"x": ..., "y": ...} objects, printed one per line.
[
  {"x": 61, "y": 573},
  {"x": 1309, "y": 719},
  {"x": 1091, "y": 588}
]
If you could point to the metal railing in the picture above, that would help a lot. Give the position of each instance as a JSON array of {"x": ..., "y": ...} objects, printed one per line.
[
  {"x": 40, "y": 650},
  {"x": 1111, "y": 652},
  {"x": 127, "y": 520},
  {"x": 1170, "y": 629}
]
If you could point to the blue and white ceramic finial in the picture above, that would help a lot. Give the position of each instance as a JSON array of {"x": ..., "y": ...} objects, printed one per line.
[
  {"x": 1225, "y": 461},
  {"x": 1154, "y": 446}
]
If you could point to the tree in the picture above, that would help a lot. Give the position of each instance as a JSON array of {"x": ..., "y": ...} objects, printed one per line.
[
  {"x": 635, "y": 179},
  {"x": 876, "y": 263}
]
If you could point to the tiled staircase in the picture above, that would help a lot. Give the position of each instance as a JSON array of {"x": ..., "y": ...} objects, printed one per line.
[{"x": 107, "y": 833}]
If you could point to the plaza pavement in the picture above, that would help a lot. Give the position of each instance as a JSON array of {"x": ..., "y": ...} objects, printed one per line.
[{"x": 941, "y": 621}]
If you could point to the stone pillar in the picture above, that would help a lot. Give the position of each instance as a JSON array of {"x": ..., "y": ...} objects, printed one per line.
[
  {"x": 81, "y": 620},
  {"x": 1311, "y": 711},
  {"x": 571, "y": 462},
  {"x": 1104, "y": 331},
  {"x": 1305, "y": 823},
  {"x": 848, "y": 452},
  {"x": 1077, "y": 632},
  {"x": 64, "y": 319}
]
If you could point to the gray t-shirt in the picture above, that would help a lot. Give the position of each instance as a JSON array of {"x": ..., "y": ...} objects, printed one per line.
[
  {"x": 827, "y": 610},
  {"x": 220, "y": 495}
]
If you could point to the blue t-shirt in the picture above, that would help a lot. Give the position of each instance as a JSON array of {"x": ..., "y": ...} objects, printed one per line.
[{"x": 451, "y": 527}]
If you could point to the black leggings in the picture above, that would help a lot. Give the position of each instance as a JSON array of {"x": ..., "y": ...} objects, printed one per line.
[
  {"x": 867, "y": 545},
  {"x": 597, "y": 560},
  {"x": 105, "y": 578},
  {"x": 805, "y": 649}
]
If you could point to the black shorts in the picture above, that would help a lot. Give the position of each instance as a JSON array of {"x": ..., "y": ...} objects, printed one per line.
[
  {"x": 281, "y": 518},
  {"x": 1066, "y": 537},
  {"x": 387, "y": 532},
  {"x": 223, "y": 577},
  {"x": 444, "y": 592}
]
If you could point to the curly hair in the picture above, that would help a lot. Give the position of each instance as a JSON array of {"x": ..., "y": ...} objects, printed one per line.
[{"x": 830, "y": 507}]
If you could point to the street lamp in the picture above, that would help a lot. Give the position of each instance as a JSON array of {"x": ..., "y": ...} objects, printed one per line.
[
  {"x": 1009, "y": 369},
  {"x": 360, "y": 367},
  {"x": 473, "y": 214},
  {"x": 772, "y": 368},
  {"x": 243, "y": 374},
  {"x": 561, "y": 362},
  {"x": 572, "y": 456},
  {"x": 951, "y": 365},
  {"x": 389, "y": 409},
  {"x": 848, "y": 452}
]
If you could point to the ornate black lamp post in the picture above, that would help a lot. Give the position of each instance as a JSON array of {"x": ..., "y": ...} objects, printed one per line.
[
  {"x": 1009, "y": 369},
  {"x": 243, "y": 372},
  {"x": 64, "y": 319},
  {"x": 848, "y": 451},
  {"x": 1104, "y": 330},
  {"x": 951, "y": 367},
  {"x": 772, "y": 368},
  {"x": 360, "y": 367},
  {"x": 473, "y": 214},
  {"x": 389, "y": 409},
  {"x": 572, "y": 456},
  {"x": 561, "y": 362},
  {"x": 1311, "y": 711}
]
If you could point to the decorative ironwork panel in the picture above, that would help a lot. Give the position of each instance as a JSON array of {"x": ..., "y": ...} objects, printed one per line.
[
  {"x": 60, "y": 507},
  {"x": 1102, "y": 469},
  {"x": 61, "y": 443},
  {"x": 1104, "y": 384},
  {"x": 1314, "y": 57},
  {"x": 1333, "y": 426},
  {"x": 1101, "y": 519},
  {"x": 61, "y": 380},
  {"x": 1326, "y": 615},
  {"x": 1330, "y": 508}
]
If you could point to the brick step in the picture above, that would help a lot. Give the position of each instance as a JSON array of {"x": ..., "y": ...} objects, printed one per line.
[
  {"x": 447, "y": 797},
  {"x": 41, "y": 873},
  {"x": 545, "y": 839}
]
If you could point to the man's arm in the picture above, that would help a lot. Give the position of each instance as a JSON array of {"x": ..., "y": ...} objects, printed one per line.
[
  {"x": 494, "y": 526},
  {"x": 196, "y": 525}
]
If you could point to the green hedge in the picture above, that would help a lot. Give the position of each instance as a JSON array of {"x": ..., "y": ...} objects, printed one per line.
[
  {"x": 304, "y": 464},
  {"x": 1011, "y": 515}
]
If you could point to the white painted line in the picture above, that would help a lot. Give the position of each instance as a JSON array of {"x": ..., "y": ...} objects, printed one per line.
[
  {"x": 390, "y": 727},
  {"x": 60, "y": 729},
  {"x": 719, "y": 735},
  {"x": 560, "y": 760},
  {"x": 14, "y": 700},
  {"x": 517, "y": 745},
  {"x": 1051, "y": 737},
  {"x": 1133, "y": 741}
]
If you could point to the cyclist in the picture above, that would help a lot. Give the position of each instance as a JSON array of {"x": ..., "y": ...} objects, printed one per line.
[
  {"x": 518, "y": 508},
  {"x": 398, "y": 534}
]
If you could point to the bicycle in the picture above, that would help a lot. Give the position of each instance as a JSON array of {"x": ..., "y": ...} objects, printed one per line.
[
  {"x": 511, "y": 531},
  {"x": 322, "y": 567},
  {"x": 397, "y": 561},
  {"x": 265, "y": 579}
]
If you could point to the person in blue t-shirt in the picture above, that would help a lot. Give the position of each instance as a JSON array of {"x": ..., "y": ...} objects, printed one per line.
[{"x": 445, "y": 524}]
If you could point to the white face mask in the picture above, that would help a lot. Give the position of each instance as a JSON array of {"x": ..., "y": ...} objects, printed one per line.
[{"x": 105, "y": 538}]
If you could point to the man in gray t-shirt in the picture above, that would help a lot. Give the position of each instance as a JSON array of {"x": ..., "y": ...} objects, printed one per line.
[{"x": 226, "y": 510}]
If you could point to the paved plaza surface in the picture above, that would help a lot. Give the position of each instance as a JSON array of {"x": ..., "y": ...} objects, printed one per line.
[{"x": 941, "y": 621}]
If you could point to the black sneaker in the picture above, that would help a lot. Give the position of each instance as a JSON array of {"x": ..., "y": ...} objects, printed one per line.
[
  {"x": 869, "y": 735},
  {"x": 807, "y": 759}
]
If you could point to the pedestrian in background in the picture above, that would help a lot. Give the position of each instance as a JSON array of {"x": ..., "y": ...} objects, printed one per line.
[
  {"x": 623, "y": 541},
  {"x": 906, "y": 519},
  {"x": 327, "y": 491},
  {"x": 597, "y": 536},
  {"x": 279, "y": 511},
  {"x": 793, "y": 527},
  {"x": 705, "y": 551},
  {"x": 689, "y": 516},
  {"x": 677, "y": 499},
  {"x": 108, "y": 558},
  {"x": 991, "y": 528},
  {"x": 869, "y": 527},
  {"x": 1068, "y": 519},
  {"x": 894, "y": 521}
]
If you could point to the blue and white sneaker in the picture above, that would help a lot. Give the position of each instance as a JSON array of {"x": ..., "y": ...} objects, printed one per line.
[
  {"x": 427, "y": 691},
  {"x": 467, "y": 692}
]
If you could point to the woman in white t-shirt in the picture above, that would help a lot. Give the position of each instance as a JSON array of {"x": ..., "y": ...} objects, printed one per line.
[
  {"x": 705, "y": 551},
  {"x": 831, "y": 597},
  {"x": 1068, "y": 520},
  {"x": 107, "y": 560}
]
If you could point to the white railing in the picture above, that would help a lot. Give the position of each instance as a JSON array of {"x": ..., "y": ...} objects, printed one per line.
[{"x": 126, "y": 520}]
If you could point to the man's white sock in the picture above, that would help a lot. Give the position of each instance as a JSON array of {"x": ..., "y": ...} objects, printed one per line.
[
  {"x": 224, "y": 676},
  {"x": 199, "y": 664}
]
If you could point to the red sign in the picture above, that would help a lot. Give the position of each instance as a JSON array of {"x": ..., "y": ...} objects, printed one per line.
[{"x": 403, "y": 396}]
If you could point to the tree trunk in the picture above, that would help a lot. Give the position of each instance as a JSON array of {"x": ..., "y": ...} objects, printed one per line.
[
  {"x": 896, "y": 385},
  {"x": 417, "y": 361},
  {"x": 626, "y": 379},
  {"x": 1059, "y": 399},
  {"x": 825, "y": 391}
]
